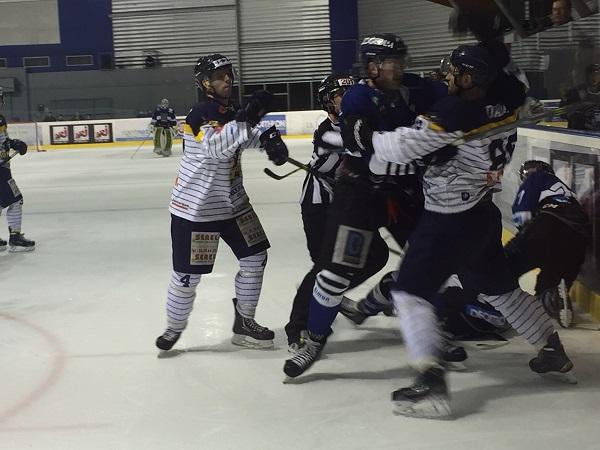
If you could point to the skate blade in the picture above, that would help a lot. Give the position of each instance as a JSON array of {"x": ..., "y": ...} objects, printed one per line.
[
  {"x": 456, "y": 366},
  {"x": 20, "y": 249},
  {"x": 561, "y": 377},
  {"x": 166, "y": 354},
  {"x": 248, "y": 342},
  {"x": 436, "y": 407}
]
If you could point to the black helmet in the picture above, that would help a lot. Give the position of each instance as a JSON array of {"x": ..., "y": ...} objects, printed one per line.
[
  {"x": 206, "y": 65},
  {"x": 2, "y": 121},
  {"x": 475, "y": 60},
  {"x": 330, "y": 86},
  {"x": 531, "y": 166},
  {"x": 378, "y": 47}
]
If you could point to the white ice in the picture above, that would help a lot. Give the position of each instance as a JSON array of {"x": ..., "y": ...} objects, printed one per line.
[{"x": 79, "y": 317}]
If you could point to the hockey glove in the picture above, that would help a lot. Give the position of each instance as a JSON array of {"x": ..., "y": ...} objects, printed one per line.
[
  {"x": 255, "y": 109},
  {"x": 357, "y": 135},
  {"x": 18, "y": 146},
  {"x": 276, "y": 149}
]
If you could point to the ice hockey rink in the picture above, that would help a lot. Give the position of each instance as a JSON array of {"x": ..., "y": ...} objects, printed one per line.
[{"x": 79, "y": 317}]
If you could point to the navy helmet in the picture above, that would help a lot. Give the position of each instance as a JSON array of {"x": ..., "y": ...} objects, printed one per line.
[
  {"x": 531, "y": 166},
  {"x": 477, "y": 61},
  {"x": 330, "y": 86},
  {"x": 207, "y": 65},
  {"x": 378, "y": 47}
]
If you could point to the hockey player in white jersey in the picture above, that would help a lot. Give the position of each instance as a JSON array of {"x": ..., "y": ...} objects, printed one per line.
[
  {"x": 209, "y": 203},
  {"x": 460, "y": 229}
]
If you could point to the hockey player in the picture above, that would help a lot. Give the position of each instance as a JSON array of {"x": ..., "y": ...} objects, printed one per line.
[
  {"x": 460, "y": 230},
  {"x": 547, "y": 214},
  {"x": 164, "y": 128},
  {"x": 369, "y": 194},
  {"x": 209, "y": 203},
  {"x": 10, "y": 195},
  {"x": 317, "y": 193}
]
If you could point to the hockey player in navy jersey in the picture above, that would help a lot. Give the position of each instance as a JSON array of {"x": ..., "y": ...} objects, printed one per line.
[
  {"x": 369, "y": 193},
  {"x": 10, "y": 195},
  {"x": 554, "y": 231},
  {"x": 164, "y": 127},
  {"x": 460, "y": 229},
  {"x": 317, "y": 194},
  {"x": 209, "y": 203}
]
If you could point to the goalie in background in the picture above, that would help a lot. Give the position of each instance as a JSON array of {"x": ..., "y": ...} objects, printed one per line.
[{"x": 164, "y": 128}]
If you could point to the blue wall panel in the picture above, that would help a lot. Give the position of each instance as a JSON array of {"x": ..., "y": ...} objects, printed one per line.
[{"x": 85, "y": 29}]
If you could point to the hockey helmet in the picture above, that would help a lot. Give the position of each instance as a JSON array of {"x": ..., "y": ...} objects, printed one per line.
[
  {"x": 531, "y": 166},
  {"x": 378, "y": 47},
  {"x": 2, "y": 121},
  {"x": 207, "y": 65},
  {"x": 476, "y": 61},
  {"x": 330, "y": 86},
  {"x": 164, "y": 103}
]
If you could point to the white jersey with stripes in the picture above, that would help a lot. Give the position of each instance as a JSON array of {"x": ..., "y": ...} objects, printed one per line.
[
  {"x": 457, "y": 177},
  {"x": 209, "y": 185}
]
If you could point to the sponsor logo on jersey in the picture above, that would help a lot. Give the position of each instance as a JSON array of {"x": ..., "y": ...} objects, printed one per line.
[{"x": 495, "y": 111}]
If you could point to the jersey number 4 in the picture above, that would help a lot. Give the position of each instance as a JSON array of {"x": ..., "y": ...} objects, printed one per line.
[{"x": 501, "y": 151}]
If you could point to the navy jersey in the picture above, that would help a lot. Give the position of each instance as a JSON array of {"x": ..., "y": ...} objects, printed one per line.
[
  {"x": 164, "y": 117},
  {"x": 545, "y": 193},
  {"x": 385, "y": 113}
]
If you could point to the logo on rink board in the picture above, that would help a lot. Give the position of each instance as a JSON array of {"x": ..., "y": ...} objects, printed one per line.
[
  {"x": 81, "y": 133},
  {"x": 274, "y": 119},
  {"x": 60, "y": 134},
  {"x": 203, "y": 248}
]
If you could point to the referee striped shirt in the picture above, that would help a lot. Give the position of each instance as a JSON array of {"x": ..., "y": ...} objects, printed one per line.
[
  {"x": 209, "y": 183},
  {"x": 325, "y": 162}
]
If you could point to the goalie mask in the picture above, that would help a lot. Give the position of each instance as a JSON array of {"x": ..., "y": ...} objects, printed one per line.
[{"x": 164, "y": 103}]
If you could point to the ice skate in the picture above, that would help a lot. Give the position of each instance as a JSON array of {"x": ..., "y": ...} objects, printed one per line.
[
  {"x": 248, "y": 333},
  {"x": 158, "y": 151},
  {"x": 168, "y": 339},
  {"x": 18, "y": 243},
  {"x": 295, "y": 344},
  {"x": 553, "y": 362},
  {"x": 3, "y": 245},
  {"x": 453, "y": 355},
  {"x": 304, "y": 358},
  {"x": 359, "y": 311},
  {"x": 427, "y": 398}
]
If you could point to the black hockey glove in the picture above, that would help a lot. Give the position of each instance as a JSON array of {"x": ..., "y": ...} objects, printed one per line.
[
  {"x": 276, "y": 149},
  {"x": 357, "y": 135},
  {"x": 18, "y": 146},
  {"x": 255, "y": 109}
]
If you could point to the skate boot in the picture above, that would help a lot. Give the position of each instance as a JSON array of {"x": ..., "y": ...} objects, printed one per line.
[
  {"x": 295, "y": 344},
  {"x": 453, "y": 355},
  {"x": 305, "y": 357},
  {"x": 3, "y": 245},
  {"x": 248, "y": 333},
  {"x": 553, "y": 361},
  {"x": 427, "y": 398},
  {"x": 168, "y": 339},
  {"x": 18, "y": 243}
]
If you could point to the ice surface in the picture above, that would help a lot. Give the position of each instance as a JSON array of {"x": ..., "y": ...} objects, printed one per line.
[{"x": 79, "y": 317}]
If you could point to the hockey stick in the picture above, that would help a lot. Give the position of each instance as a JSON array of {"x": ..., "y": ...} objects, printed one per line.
[
  {"x": 533, "y": 119},
  {"x": 280, "y": 177},
  {"x": 139, "y": 146},
  {"x": 4, "y": 161}
]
